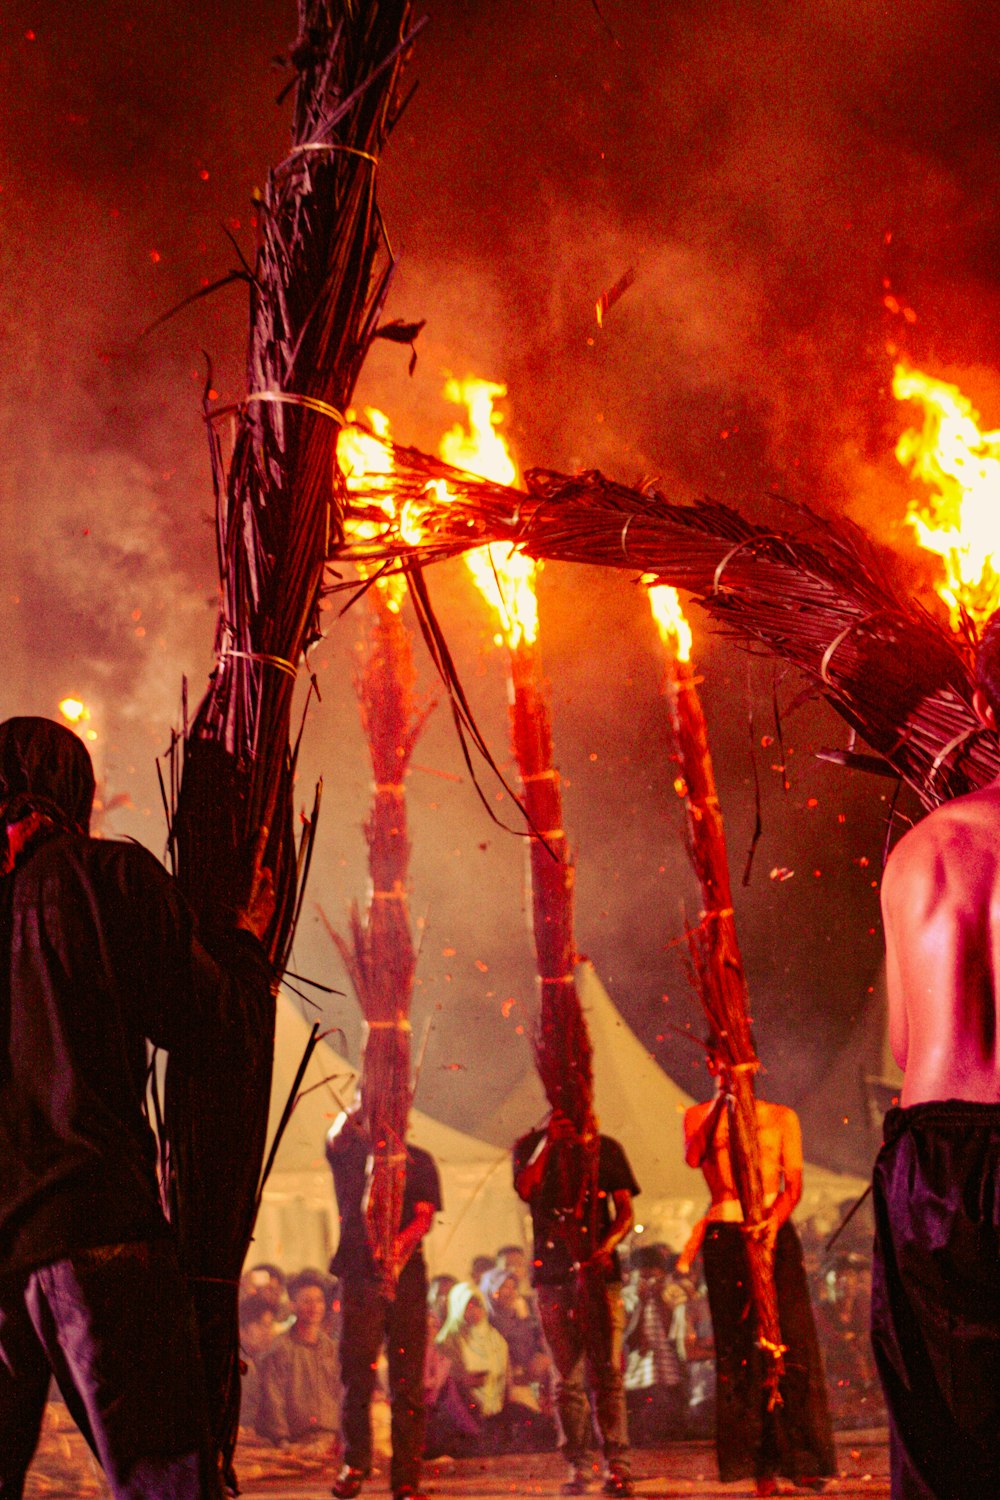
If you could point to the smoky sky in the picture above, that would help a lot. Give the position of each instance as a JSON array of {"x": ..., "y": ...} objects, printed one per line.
[{"x": 806, "y": 192}]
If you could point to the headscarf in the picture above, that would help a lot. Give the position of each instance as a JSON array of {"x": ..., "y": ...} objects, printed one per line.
[
  {"x": 478, "y": 1347},
  {"x": 46, "y": 762},
  {"x": 46, "y": 784}
]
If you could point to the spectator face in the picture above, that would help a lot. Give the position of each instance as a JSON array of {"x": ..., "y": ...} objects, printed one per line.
[
  {"x": 438, "y": 1296},
  {"x": 475, "y": 1312},
  {"x": 506, "y": 1293},
  {"x": 309, "y": 1306},
  {"x": 256, "y": 1337}
]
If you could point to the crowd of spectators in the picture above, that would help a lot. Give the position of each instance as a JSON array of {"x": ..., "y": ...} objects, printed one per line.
[{"x": 488, "y": 1374}]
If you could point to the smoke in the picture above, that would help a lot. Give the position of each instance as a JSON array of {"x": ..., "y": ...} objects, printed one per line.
[{"x": 772, "y": 173}]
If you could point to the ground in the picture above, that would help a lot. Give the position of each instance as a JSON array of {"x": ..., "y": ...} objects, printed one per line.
[{"x": 64, "y": 1470}]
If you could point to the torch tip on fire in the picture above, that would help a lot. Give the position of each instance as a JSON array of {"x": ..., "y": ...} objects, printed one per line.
[{"x": 960, "y": 465}]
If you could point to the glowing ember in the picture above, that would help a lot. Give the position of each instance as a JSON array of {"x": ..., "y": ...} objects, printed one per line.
[
  {"x": 366, "y": 464},
  {"x": 674, "y": 629},
  {"x": 960, "y": 520},
  {"x": 505, "y": 577},
  {"x": 73, "y": 711}
]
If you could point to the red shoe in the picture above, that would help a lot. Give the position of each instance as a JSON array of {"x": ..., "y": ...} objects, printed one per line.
[{"x": 767, "y": 1485}]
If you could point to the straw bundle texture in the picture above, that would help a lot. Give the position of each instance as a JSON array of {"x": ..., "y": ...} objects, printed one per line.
[
  {"x": 316, "y": 290},
  {"x": 379, "y": 953},
  {"x": 817, "y": 596},
  {"x": 720, "y": 980}
]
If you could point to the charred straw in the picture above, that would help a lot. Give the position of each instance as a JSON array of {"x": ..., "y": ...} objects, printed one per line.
[{"x": 320, "y": 277}]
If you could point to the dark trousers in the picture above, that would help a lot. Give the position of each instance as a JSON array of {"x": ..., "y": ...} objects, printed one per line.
[
  {"x": 584, "y": 1328},
  {"x": 368, "y": 1320},
  {"x": 115, "y": 1327},
  {"x": 796, "y": 1437},
  {"x": 936, "y": 1298}
]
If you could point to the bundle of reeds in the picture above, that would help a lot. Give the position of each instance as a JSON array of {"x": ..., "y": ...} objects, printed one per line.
[
  {"x": 563, "y": 1051},
  {"x": 316, "y": 290},
  {"x": 721, "y": 984},
  {"x": 818, "y": 596},
  {"x": 379, "y": 952}
]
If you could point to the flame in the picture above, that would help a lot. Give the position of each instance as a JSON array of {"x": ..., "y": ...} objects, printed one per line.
[
  {"x": 674, "y": 629},
  {"x": 480, "y": 448},
  {"x": 366, "y": 463},
  {"x": 960, "y": 520},
  {"x": 505, "y": 577}
]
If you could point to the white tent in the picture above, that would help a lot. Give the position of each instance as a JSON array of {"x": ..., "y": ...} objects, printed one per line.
[
  {"x": 297, "y": 1223},
  {"x": 641, "y": 1106}
]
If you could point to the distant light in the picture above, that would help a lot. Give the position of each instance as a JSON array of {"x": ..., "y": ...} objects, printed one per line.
[
  {"x": 73, "y": 710},
  {"x": 639, "y": 1228}
]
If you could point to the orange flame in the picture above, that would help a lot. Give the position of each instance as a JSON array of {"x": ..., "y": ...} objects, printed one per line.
[
  {"x": 367, "y": 464},
  {"x": 960, "y": 520},
  {"x": 505, "y": 577},
  {"x": 664, "y": 601}
]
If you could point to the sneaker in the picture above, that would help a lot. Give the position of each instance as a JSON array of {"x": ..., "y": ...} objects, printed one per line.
[
  {"x": 767, "y": 1485},
  {"x": 577, "y": 1481},
  {"x": 348, "y": 1483},
  {"x": 618, "y": 1482}
]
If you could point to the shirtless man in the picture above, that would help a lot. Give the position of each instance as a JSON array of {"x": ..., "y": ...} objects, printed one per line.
[
  {"x": 936, "y": 1190},
  {"x": 794, "y": 1439}
]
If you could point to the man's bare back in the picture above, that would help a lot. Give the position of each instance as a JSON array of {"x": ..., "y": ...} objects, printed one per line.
[{"x": 941, "y": 913}]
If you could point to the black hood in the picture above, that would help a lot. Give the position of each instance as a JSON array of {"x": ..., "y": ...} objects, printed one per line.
[{"x": 41, "y": 759}]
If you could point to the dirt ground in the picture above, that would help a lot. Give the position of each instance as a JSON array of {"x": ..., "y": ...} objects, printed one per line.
[{"x": 64, "y": 1470}]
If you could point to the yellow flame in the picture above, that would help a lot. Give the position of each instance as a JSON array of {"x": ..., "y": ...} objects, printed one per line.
[
  {"x": 505, "y": 577},
  {"x": 960, "y": 520},
  {"x": 367, "y": 465},
  {"x": 674, "y": 629},
  {"x": 478, "y": 448},
  {"x": 73, "y": 711}
]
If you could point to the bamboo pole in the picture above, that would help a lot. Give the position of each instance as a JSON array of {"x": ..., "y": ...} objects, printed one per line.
[{"x": 723, "y": 988}]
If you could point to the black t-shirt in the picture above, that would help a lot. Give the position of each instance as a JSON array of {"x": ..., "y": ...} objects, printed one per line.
[
  {"x": 98, "y": 952},
  {"x": 556, "y": 1227},
  {"x": 347, "y": 1152}
]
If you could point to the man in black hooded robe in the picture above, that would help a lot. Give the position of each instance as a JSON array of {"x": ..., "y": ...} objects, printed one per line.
[{"x": 98, "y": 953}]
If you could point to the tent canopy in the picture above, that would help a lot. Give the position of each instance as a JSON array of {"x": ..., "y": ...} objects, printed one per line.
[{"x": 636, "y": 1102}]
